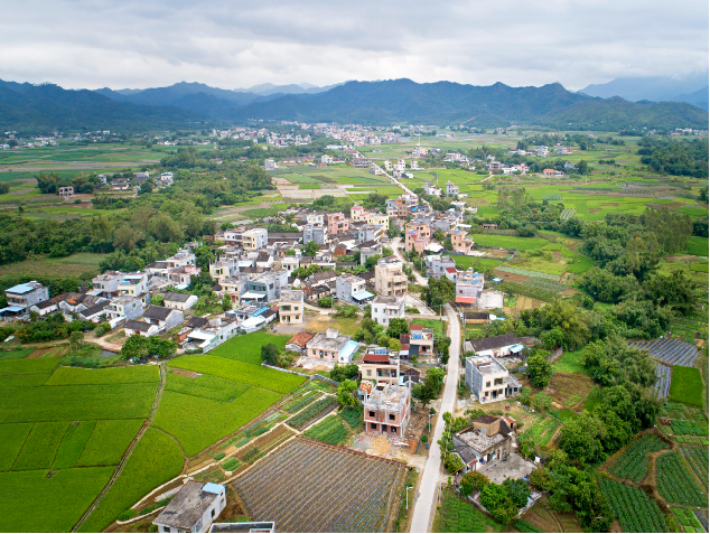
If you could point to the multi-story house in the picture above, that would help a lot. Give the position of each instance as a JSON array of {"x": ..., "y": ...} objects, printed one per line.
[
  {"x": 312, "y": 232},
  {"x": 358, "y": 213},
  {"x": 106, "y": 285},
  {"x": 436, "y": 265},
  {"x": 22, "y": 296},
  {"x": 125, "y": 306},
  {"x": 489, "y": 380},
  {"x": 182, "y": 259},
  {"x": 255, "y": 239},
  {"x": 267, "y": 286},
  {"x": 468, "y": 286},
  {"x": 379, "y": 219},
  {"x": 461, "y": 242},
  {"x": 384, "y": 309},
  {"x": 379, "y": 367},
  {"x": 223, "y": 270},
  {"x": 388, "y": 410},
  {"x": 452, "y": 190},
  {"x": 417, "y": 237},
  {"x": 337, "y": 224},
  {"x": 351, "y": 289},
  {"x": 134, "y": 285},
  {"x": 369, "y": 249},
  {"x": 332, "y": 347},
  {"x": 291, "y": 307},
  {"x": 390, "y": 280},
  {"x": 369, "y": 232}
]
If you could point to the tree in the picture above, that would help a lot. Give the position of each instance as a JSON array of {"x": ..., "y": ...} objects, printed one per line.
[
  {"x": 157, "y": 300},
  {"x": 397, "y": 327},
  {"x": 539, "y": 370},
  {"x": 344, "y": 372},
  {"x": 325, "y": 302},
  {"x": 226, "y": 303},
  {"x": 430, "y": 388},
  {"x": 311, "y": 249},
  {"x": 439, "y": 292},
  {"x": 497, "y": 501},
  {"x": 347, "y": 393},
  {"x": 473, "y": 481},
  {"x": 135, "y": 346},
  {"x": 270, "y": 354},
  {"x": 76, "y": 340},
  {"x": 395, "y": 345},
  {"x": 581, "y": 438},
  {"x": 518, "y": 490}
]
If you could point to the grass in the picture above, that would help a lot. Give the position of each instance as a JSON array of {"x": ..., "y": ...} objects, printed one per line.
[
  {"x": 509, "y": 242},
  {"x": 579, "y": 264},
  {"x": 28, "y": 367},
  {"x": 73, "y": 265},
  {"x": 41, "y": 446},
  {"x": 78, "y": 403},
  {"x": 144, "y": 471},
  {"x": 64, "y": 376},
  {"x": 108, "y": 442},
  {"x": 62, "y": 499},
  {"x": 239, "y": 372},
  {"x": 698, "y": 246},
  {"x": 12, "y": 438},
  {"x": 73, "y": 444},
  {"x": 247, "y": 348},
  {"x": 686, "y": 385},
  {"x": 434, "y": 324},
  {"x": 569, "y": 363},
  {"x": 15, "y": 354},
  {"x": 183, "y": 416},
  {"x": 478, "y": 264},
  {"x": 456, "y": 515},
  {"x": 593, "y": 399}
]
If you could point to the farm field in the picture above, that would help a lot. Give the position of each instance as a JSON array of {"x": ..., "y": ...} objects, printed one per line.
[
  {"x": 633, "y": 464},
  {"x": 509, "y": 242},
  {"x": 73, "y": 265},
  {"x": 634, "y": 509},
  {"x": 686, "y": 385},
  {"x": 675, "y": 484},
  {"x": 362, "y": 501},
  {"x": 456, "y": 515}
]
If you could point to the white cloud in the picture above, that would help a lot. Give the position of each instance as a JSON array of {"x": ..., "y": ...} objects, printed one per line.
[{"x": 148, "y": 43}]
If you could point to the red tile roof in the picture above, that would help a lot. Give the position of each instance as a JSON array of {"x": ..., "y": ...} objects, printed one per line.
[{"x": 300, "y": 339}]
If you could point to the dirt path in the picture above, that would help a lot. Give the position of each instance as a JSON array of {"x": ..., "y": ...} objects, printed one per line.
[{"x": 129, "y": 451}]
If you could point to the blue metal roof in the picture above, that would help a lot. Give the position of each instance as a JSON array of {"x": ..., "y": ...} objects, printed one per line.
[
  {"x": 211, "y": 487},
  {"x": 362, "y": 295},
  {"x": 21, "y": 288}
]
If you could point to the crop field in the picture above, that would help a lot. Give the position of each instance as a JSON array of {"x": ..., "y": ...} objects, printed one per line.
[
  {"x": 302, "y": 402},
  {"x": 636, "y": 511},
  {"x": 675, "y": 484},
  {"x": 567, "y": 213},
  {"x": 73, "y": 444},
  {"x": 73, "y": 265},
  {"x": 330, "y": 430},
  {"x": 569, "y": 362},
  {"x": 527, "y": 272},
  {"x": 688, "y": 520},
  {"x": 456, "y": 515},
  {"x": 144, "y": 471},
  {"x": 28, "y": 367},
  {"x": 247, "y": 348},
  {"x": 663, "y": 381},
  {"x": 245, "y": 373},
  {"x": 305, "y": 416},
  {"x": 633, "y": 464},
  {"x": 183, "y": 416},
  {"x": 108, "y": 442},
  {"x": 686, "y": 385},
  {"x": 528, "y": 291},
  {"x": 509, "y": 242},
  {"x": 308, "y": 500},
  {"x": 698, "y": 246},
  {"x": 698, "y": 461},
  {"x": 206, "y": 386},
  {"x": 543, "y": 431},
  {"x": 74, "y": 376},
  {"x": 546, "y": 285},
  {"x": 41, "y": 446},
  {"x": 669, "y": 351}
]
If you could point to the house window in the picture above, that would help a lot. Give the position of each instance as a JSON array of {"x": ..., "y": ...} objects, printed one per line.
[
  {"x": 392, "y": 417},
  {"x": 372, "y": 414},
  {"x": 373, "y": 426},
  {"x": 394, "y": 429}
]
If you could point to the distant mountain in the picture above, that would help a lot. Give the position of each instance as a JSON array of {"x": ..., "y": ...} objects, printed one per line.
[
  {"x": 698, "y": 98},
  {"x": 291, "y": 89},
  {"x": 655, "y": 89},
  {"x": 31, "y": 108},
  {"x": 406, "y": 101}
]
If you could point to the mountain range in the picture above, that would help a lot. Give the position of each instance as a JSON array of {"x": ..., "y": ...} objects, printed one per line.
[
  {"x": 692, "y": 88},
  {"x": 27, "y": 107}
]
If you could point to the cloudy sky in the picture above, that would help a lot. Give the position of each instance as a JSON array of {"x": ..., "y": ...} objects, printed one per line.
[{"x": 232, "y": 43}]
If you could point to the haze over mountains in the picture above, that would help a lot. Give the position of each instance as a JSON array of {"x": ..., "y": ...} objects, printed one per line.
[
  {"x": 45, "y": 107},
  {"x": 692, "y": 89}
]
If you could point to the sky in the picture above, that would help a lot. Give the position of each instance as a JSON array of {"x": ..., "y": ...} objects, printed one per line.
[{"x": 235, "y": 44}]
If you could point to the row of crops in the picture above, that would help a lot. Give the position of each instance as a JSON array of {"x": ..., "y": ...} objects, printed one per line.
[
  {"x": 675, "y": 484},
  {"x": 688, "y": 520},
  {"x": 543, "y": 431},
  {"x": 669, "y": 351},
  {"x": 527, "y": 272},
  {"x": 305, "y": 416},
  {"x": 552, "y": 197},
  {"x": 633, "y": 464},
  {"x": 636, "y": 511},
  {"x": 567, "y": 213},
  {"x": 662, "y": 387},
  {"x": 698, "y": 461},
  {"x": 528, "y": 291},
  {"x": 306, "y": 486},
  {"x": 692, "y": 428},
  {"x": 329, "y": 430},
  {"x": 547, "y": 285}
]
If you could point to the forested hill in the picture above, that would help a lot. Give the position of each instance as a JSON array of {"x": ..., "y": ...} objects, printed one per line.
[
  {"x": 406, "y": 101},
  {"x": 42, "y": 108}
]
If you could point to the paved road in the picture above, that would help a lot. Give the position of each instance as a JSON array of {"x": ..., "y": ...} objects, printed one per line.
[{"x": 426, "y": 499}]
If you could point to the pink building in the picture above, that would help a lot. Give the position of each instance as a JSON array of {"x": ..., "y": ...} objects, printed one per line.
[
  {"x": 337, "y": 223},
  {"x": 415, "y": 241},
  {"x": 461, "y": 242},
  {"x": 387, "y": 410}
]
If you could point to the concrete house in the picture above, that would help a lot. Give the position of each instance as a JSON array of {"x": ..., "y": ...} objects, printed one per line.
[
  {"x": 319, "y": 234},
  {"x": 134, "y": 327},
  {"x": 332, "y": 346},
  {"x": 369, "y": 232},
  {"x": 291, "y": 307},
  {"x": 193, "y": 509},
  {"x": 436, "y": 265},
  {"x": 255, "y": 239},
  {"x": 23, "y": 296},
  {"x": 125, "y": 307},
  {"x": 384, "y": 309},
  {"x": 390, "y": 279},
  {"x": 179, "y": 301},
  {"x": 134, "y": 285},
  {"x": 461, "y": 242},
  {"x": 163, "y": 318},
  {"x": 388, "y": 410},
  {"x": 489, "y": 380},
  {"x": 298, "y": 342},
  {"x": 379, "y": 367},
  {"x": 107, "y": 284},
  {"x": 468, "y": 286},
  {"x": 351, "y": 289},
  {"x": 488, "y": 438},
  {"x": 337, "y": 224},
  {"x": 496, "y": 346}
]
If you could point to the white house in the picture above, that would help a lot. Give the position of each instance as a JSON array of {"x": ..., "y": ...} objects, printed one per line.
[
  {"x": 179, "y": 301},
  {"x": 385, "y": 309},
  {"x": 193, "y": 509}
]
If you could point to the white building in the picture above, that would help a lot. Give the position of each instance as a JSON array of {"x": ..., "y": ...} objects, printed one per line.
[
  {"x": 385, "y": 309},
  {"x": 193, "y": 509}
]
